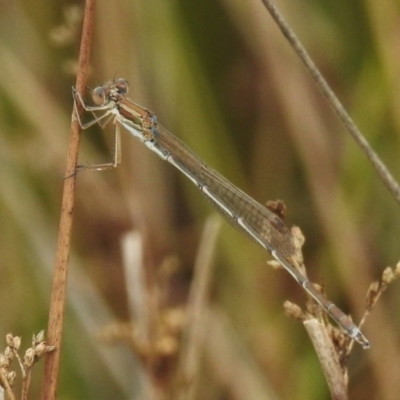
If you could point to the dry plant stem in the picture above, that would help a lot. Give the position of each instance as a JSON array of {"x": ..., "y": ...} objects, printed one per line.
[
  {"x": 25, "y": 384},
  {"x": 197, "y": 311},
  {"x": 334, "y": 102},
  {"x": 328, "y": 358},
  {"x": 142, "y": 309},
  {"x": 6, "y": 386},
  {"x": 388, "y": 277},
  {"x": 136, "y": 287},
  {"x": 57, "y": 306}
]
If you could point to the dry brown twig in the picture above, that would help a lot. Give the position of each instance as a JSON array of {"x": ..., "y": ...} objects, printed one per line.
[{"x": 58, "y": 296}]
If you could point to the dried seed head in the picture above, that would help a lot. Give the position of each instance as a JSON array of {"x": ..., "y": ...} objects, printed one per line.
[
  {"x": 298, "y": 237},
  {"x": 293, "y": 310},
  {"x": 278, "y": 207},
  {"x": 387, "y": 276},
  {"x": 29, "y": 357},
  {"x": 11, "y": 377},
  {"x": 40, "y": 336},
  {"x": 372, "y": 294},
  {"x": 49, "y": 349},
  {"x": 4, "y": 361},
  {"x": 40, "y": 349},
  {"x": 17, "y": 342},
  {"x": 9, "y": 353},
  {"x": 10, "y": 339}
]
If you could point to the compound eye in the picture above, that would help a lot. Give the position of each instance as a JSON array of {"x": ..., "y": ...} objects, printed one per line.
[
  {"x": 99, "y": 95},
  {"x": 122, "y": 85}
]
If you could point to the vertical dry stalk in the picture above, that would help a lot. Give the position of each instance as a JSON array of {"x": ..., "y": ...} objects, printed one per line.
[
  {"x": 197, "y": 310},
  {"x": 328, "y": 358},
  {"x": 57, "y": 305}
]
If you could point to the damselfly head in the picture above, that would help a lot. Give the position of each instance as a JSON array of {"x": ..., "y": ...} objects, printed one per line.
[{"x": 113, "y": 91}]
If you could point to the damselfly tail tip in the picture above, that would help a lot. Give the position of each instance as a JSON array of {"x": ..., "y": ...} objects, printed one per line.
[{"x": 360, "y": 338}]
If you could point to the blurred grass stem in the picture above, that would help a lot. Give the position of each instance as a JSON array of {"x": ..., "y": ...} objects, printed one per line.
[
  {"x": 197, "y": 311},
  {"x": 334, "y": 102}
]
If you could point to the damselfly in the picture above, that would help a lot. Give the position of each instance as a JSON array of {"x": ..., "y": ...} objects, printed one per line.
[{"x": 256, "y": 221}]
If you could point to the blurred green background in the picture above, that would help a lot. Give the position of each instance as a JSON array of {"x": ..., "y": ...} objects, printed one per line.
[{"x": 220, "y": 76}]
